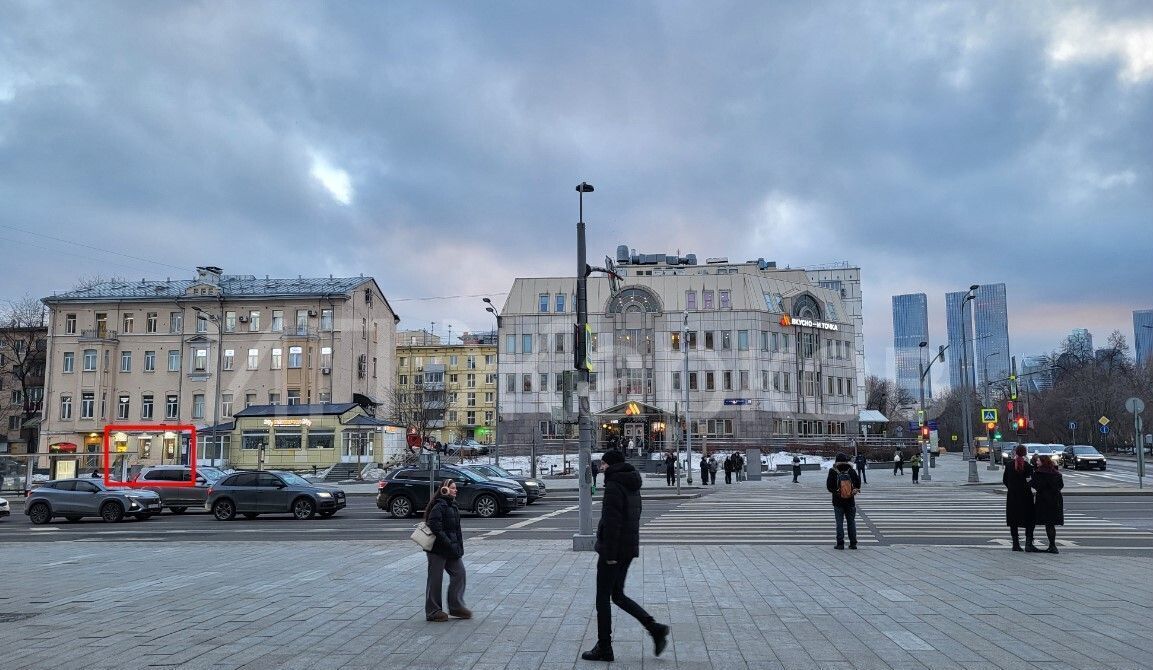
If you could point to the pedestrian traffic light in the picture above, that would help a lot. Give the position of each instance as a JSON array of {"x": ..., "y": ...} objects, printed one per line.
[
  {"x": 990, "y": 425},
  {"x": 997, "y": 436},
  {"x": 1009, "y": 405},
  {"x": 1022, "y": 423}
]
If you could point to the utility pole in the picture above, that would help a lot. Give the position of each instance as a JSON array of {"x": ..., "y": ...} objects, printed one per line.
[
  {"x": 685, "y": 389},
  {"x": 584, "y": 539}
]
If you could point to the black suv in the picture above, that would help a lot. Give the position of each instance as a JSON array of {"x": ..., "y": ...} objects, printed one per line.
[
  {"x": 253, "y": 492},
  {"x": 404, "y": 492}
]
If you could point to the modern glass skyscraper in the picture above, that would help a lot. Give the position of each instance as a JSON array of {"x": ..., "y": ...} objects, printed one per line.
[
  {"x": 1143, "y": 336},
  {"x": 910, "y": 329},
  {"x": 953, "y": 320},
  {"x": 988, "y": 340}
]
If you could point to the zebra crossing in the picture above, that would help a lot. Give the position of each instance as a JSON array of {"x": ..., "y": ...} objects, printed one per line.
[{"x": 933, "y": 516}]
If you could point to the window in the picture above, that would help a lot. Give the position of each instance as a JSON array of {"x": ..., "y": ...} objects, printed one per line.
[
  {"x": 363, "y": 328},
  {"x": 89, "y": 360},
  {"x": 201, "y": 323},
  {"x": 542, "y": 305},
  {"x": 776, "y": 342},
  {"x": 171, "y": 406},
  {"x": 764, "y": 380},
  {"x": 526, "y": 344},
  {"x": 690, "y": 299},
  {"x": 727, "y": 380},
  {"x": 229, "y": 359},
  {"x": 809, "y": 345},
  {"x": 470, "y": 399},
  {"x": 176, "y": 322},
  {"x": 470, "y": 362},
  {"x": 786, "y": 382},
  {"x": 810, "y": 388},
  {"x": 785, "y": 342},
  {"x": 777, "y": 381},
  {"x": 489, "y": 359},
  {"x": 147, "y": 407},
  {"x": 198, "y": 406},
  {"x": 592, "y": 381},
  {"x": 277, "y": 358},
  {"x": 676, "y": 384},
  {"x": 302, "y": 322},
  {"x": 510, "y": 383},
  {"x": 253, "y": 359},
  {"x": 709, "y": 340},
  {"x": 295, "y": 356},
  {"x": 293, "y": 396},
  {"x": 249, "y": 400},
  {"x": 150, "y": 361},
  {"x": 726, "y": 299},
  {"x": 101, "y": 324},
  {"x": 126, "y": 361},
  {"x": 691, "y": 340},
  {"x": 277, "y": 320},
  {"x": 70, "y": 326},
  {"x": 829, "y": 384},
  {"x": 543, "y": 386},
  {"x": 326, "y": 319},
  {"x": 764, "y": 340},
  {"x": 526, "y": 383},
  {"x": 692, "y": 381},
  {"x": 744, "y": 380},
  {"x": 87, "y": 405},
  {"x": 707, "y": 296},
  {"x": 150, "y": 322},
  {"x": 488, "y": 397},
  {"x": 254, "y": 321},
  {"x": 230, "y": 322},
  {"x": 742, "y": 340},
  {"x": 560, "y": 337},
  {"x": 320, "y": 440},
  {"x": 675, "y": 341},
  {"x": 726, "y": 340},
  {"x": 710, "y": 381},
  {"x": 69, "y": 361},
  {"x": 374, "y": 367},
  {"x": 199, "y": 359},
  {"x": 470, "y": 380},
  {"x": 848, "y": 386},
  {"x": 470, "y": 417},
  {"x": 510, "y": 344},
  {"x": 560, "y": 303},
  {"x": 127, "y": 323},
  {"x": 173, "y": 361},
  {"x": 829, "y": 349},
  {"x": 326, "y": 357},
  {"x": 65, "y": 407},
  {"x": 840, "y": 386}
]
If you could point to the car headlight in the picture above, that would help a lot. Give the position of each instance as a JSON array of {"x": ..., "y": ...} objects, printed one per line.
[
  {"x": 532, "y": 484},
  {"x": 323, "y": 494},
  {"x": 508, "y": 491}
]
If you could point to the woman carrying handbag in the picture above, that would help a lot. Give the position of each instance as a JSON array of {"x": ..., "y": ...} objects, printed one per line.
[{"x": 443, "y": 518}]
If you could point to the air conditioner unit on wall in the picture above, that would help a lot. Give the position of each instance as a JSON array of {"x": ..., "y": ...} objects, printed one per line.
[
  {"x": 312, "y": 312},
  {"x": 326, "y": 371},
  {"x": 242, "y": 319}
]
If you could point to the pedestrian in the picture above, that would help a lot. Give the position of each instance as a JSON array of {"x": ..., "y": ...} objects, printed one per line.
[
  {"x": 915, "y": 463},
  {"x": 862, "y": 465},
  {"x": 443, "y": 518},
  {"x": 670, "y": 469},
  {"x": 618, "y": 542},
  {"x": 844, "y": 484},
  {"x": 728, "y": 465},
  {"x": 739, "y": 467},
  {"x": 713, "y": 470},
  {"x": 898, "y": 463},
  {"x": 1019, "y": 499},
  {"x": 704, "y": 470},
  {"x": 595, "y": 467},
  {"x": 1049, "y": 506},
  {"x": 632, "y": 446},
  {"x": 796, "y": 469}
]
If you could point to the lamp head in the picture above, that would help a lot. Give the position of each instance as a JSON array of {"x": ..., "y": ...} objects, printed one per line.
[
  {"x": 490, "y": 309},
  {"x": 974, "y": 287},
  {"x": 584, "y": 187},
  {"x": 487, "y": 300},
  {"x": 923, "y": 344}
]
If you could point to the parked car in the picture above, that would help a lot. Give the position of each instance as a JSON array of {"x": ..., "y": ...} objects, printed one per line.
[
  {"x": 468, "y": 449},
  {"x": 404, "y": 491},
  {"x": 1082, "y": 456},
  {"x": 534, "y": 488},
  {"x": 5, "y": 510},
  {"x": 75, "y": 499},
  {"x": 177, "y": 498},
  {"x": 255, "y": 492}
]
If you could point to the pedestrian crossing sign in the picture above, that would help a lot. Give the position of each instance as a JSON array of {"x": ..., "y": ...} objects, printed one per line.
[{"x": 988, "y": 415}]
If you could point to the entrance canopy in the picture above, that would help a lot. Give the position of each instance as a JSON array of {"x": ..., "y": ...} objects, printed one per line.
[
  {"x": 872, "y": 416},
  {"x": 628, "y": 410}
]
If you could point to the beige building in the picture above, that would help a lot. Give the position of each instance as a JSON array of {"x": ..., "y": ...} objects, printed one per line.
[
  {"x": 449, "y": 389},
  {"x": 196, "y": 352}
]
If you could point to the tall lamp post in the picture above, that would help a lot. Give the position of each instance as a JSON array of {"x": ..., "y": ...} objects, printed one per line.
[
  {"x": 966, "y": 410},
  {"x": 924, "y": 370},
  {"x": 584, "y": 539},
  {"x": 496, "y": 424},
  {"x": 685, "y": 386},
  {"x": 988, "y": 433},
  {"x": 215, "y": 320}
]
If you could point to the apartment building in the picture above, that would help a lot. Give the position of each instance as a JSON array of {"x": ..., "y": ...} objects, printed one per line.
[
  {"x": 196, "y": 352},
  {"x": 448, "y": 390}
]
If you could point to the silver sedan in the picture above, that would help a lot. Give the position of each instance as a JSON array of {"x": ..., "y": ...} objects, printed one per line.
[{"x": 75, "y": 499}]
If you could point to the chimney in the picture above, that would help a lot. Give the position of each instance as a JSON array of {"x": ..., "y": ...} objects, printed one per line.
[{"x": 209, "y": 275}]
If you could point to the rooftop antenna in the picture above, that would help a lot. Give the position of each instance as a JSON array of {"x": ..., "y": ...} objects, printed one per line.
[{"x": 450, "y": 333}]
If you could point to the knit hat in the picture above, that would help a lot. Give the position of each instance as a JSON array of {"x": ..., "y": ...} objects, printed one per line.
[
  {"x": 612, "y": 457},
  {"x": 841, "y": 458}
]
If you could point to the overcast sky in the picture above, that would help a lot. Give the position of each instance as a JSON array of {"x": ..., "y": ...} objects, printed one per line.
[{"x": 436, "y": 146}]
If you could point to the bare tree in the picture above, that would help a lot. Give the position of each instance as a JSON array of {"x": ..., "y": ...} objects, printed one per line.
[
  {"x": 889, "y": 399},
  {"x": 23, "y": 347}
]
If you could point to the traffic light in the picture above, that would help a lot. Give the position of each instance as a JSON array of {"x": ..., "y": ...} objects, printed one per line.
[
  {"x": 924, "y": 432},
  {"x": 1022, "y": 424},
  {"x": 997, "y": 436},
  {"x": 990, "y": 425},
  {"x": 1009, "y": 405},
  {"x": 581, "y": 349}
]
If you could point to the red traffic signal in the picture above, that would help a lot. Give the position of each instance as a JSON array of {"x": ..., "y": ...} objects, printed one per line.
[
  {"x": 1022, "y": 423},
  {"x": 1009, "y": 405},
  {"x": 924, "y": 432}
]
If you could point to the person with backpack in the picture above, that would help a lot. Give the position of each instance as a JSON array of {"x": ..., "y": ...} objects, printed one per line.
[
  {"x": 915, "y": 463},
  {"x": 796, "y": 468},
  {"x": 1049, "y": 506},
  {"x": 844, "y": 484},
  {"x": 862, "y": 465},
  {"x": 1019, "y": 499}
]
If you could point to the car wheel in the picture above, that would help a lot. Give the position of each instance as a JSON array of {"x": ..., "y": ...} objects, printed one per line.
[
  {"x": 326, "y": 515},
  {"x": 400, "y": 507},
  {"x": 111, "y": 512},
  {"x": 1102, "y": 467},
  {"x": 177, "y": 510},
  {"x": 73, "y": 519},
  {"x": 303, "y": 508},
  {"x": 39, "y": 513},
  {"x": 486, "y": 507},
  {"x": 250, "y": 515},
  {"x": 224, "y": 510}
]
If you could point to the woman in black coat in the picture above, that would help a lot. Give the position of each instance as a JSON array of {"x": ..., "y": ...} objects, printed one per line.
[
  {"x": 443, "y": 518},
  {"x": 1050, "y": 506},
  {"x": 1019, "y": 499}
]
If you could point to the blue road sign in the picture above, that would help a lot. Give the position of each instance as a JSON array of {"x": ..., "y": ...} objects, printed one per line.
[
  {"x": 932, "y": 424},
  {"x": 1072, "y": 425},
  {"x": 736, "y": 401},
  {"x": 1104, "y": 429}
]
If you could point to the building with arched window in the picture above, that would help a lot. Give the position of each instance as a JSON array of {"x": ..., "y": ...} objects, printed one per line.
[{"x": 762, "y": 355}]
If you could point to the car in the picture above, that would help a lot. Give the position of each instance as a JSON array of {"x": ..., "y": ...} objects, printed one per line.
[
  {"x": 255, "y": 492},
  {"x": 5, "y": 510},
  {"x": 467, "y": 448},
  {"x": 1082, "y": 456},
  {"x": 1039, "y": 450},
  {"x": 177, "y": 498},
  {"x": 535, "y": 488},
  {"x": 405, "y": 491},
  {"x": 75, "y": 499}
]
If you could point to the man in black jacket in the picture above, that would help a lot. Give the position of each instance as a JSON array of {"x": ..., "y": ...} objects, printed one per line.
[
  {"x": 618, "y": 543},
  {"x": 844, "y": 484}
]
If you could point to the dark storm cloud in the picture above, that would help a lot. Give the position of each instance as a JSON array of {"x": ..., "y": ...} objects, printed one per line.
[{"x": 935, "y": 145}]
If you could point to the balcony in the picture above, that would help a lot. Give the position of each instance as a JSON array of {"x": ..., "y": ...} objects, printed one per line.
[
  {"x": 299, "y": 333},
  {"x": 98, "y": 334}
]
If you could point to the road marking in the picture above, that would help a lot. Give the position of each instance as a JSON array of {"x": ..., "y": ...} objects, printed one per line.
[
  {"x": 71, "y": 561},
  {"x": 521, "y": 524}
]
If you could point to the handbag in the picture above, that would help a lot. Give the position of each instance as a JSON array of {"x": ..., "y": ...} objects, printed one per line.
[{"x": 423, "y": 536}]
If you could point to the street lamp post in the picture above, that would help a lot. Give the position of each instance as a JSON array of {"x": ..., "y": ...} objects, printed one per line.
[
  {"x": 966, "y": 410},
  {"x": 496, "y": 424},
  {"x": 988, "y": 433},
  {"x": 215, "y": 320},
  {"x": 584, "y": 539},
  {"x": 924, "y": 370},
  {"x": 685, "y": 387}
]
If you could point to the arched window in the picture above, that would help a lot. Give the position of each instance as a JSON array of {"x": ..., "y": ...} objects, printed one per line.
[
  {"x": 806, "y": 307},
  {"x": 634, "y": 299}
]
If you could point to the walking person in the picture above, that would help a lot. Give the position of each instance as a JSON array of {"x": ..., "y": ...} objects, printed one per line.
[
  {"x": 1049, "y": 505},
  {"x": 796, "y": 469},
  {"x": 739, "y": 467},
  {"x": 443, "y": 517},
  {"x": 862, "y": 465},
  {"x": 915, "y": 463},
  {"x": 728, "y": 469},
  {"x": 670, "y": 469},
  {"x": 618, "y": 542},
  {"x": 1019, "y": 499},
  {"x": 704, "y": 470},
  {"x": 898, "y": 463},
  {"x": 713, "y": 470},
  {"x": 844, "y": 484}
]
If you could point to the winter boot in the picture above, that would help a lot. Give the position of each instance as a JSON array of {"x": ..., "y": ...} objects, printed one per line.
[
  {"x": 462, "y": 613},
  {"x": 1052, "y": 549},
  {"x": 660, "y": 633},
  {"x": 1031, "y": 548},
  {"x": 601, "y": 652},
  {"x": 1017, "y": 546}
]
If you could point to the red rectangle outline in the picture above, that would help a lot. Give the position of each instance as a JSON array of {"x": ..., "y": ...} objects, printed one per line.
[{"x": 150, "y": 428}]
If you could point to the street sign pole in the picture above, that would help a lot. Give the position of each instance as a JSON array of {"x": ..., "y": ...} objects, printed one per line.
[{"x": 1136, "y": 406}]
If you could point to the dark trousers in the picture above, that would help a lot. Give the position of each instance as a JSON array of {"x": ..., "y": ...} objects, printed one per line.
[
  {"x": 844, "y": 514},
  {"x": 611, "y": 591},
  {"x": 861, "y": 473},
  {"x": 1051, "y": 534},
  {"x": 728, "y": 476},
  {"x": 899, "y": 465},
  {"x": 705, "y": 476},
  {"x": 796, "y": 473},
  {"x": 916, "y": 474},
  {"x": 712, "y": 476},
  {"x": 670, "y": 477},
  {"x": 1016, "y": 533},
  {"x": 437, "y": 566}
]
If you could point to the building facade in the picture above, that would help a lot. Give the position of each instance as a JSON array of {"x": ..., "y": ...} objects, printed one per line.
[
  {"x": 845, "y": 279},
  {"x": 448, "y": 391},
  {"x": 1143, "y": 336},
  {"x": 196, "y": 352},
  {"x": 769, "y": 355},
  {"x": 22, "y": 356},
  {"x": 910, "y": 329}
]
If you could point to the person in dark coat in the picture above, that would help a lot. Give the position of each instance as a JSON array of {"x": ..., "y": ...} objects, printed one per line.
[
  {"x": 1019, "y": 499},
  {"x": 738, "y": 466},
  {"x": 844, "y": 507},
  {"x": 712, "y": 470},
  {"x": 670, "y": 469},
  {"x": 618, "y": 542},
  {"x": 862, "y": 465},
  {"x": 704, "y": 470},
  {"x": 728, "y": 469},
  {"x": 595, "y": 467},
  {"x": 1049, "y": 506},
  {"x": 443, "y": 518},
  {"x": 796, "y": 469}
]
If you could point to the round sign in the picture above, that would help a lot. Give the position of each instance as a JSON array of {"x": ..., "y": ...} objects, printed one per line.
[
  {"x": 1135, "y": 405},
  {"x": 1072, "y": 425}
]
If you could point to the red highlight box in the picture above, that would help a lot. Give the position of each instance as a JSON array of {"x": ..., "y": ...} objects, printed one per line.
[{"x": 149, "y": 428}]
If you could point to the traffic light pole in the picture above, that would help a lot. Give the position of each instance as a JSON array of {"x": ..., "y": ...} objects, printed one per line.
[{"x": 584, "y": 539}]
